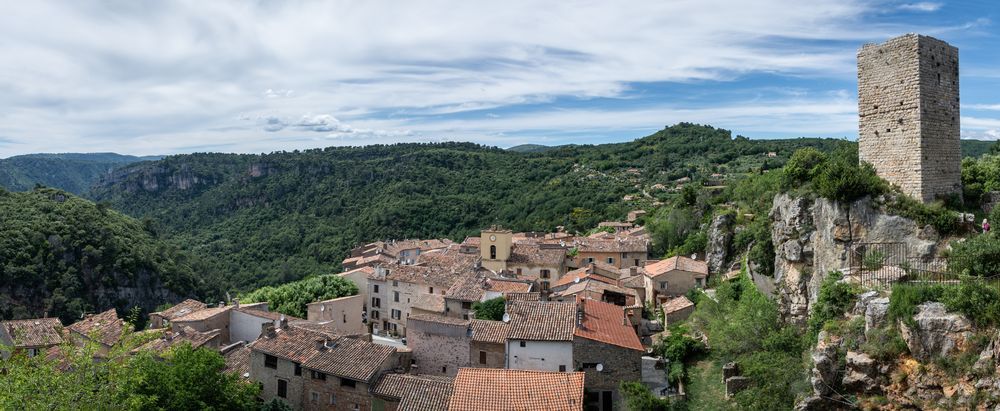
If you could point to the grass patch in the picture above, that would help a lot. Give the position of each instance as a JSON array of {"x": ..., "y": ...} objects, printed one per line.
[{"x": 705, "y": 389}]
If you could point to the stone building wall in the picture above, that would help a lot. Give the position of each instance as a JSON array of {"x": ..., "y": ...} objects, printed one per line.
[
  {"x": 909, "y": 116},
  {"x": 619, "y": 364},
  {"x": 331, "y": 395},
  {"x": 268, "y": 379},
  {"x": 438, "y": 348},
  {"x": 494, "y": 353}
]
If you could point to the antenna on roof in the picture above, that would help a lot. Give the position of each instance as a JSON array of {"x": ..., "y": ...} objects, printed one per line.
[
  {"x": 506, "y": 317},
  {"x": 576, "y": 280}
]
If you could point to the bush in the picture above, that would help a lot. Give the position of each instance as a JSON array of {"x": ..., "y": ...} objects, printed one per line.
[
  {"x": 293, "y": 298},
  {"x": 638, "y": 398},
  {"x": 936, "y": 214},
  {"x": 843, "y": 181},
  {"x": 884, "y": 344},
  {"x": 491, "y": 309},
  {"x": 905, "y": 298},
  {"x": 802, "y": 167},
  {"x": 976, "y": 256},
  {"x": 678, "y": 348},
  {"x": 834, "y": 299},
  {"x": 975, "y": 299}
]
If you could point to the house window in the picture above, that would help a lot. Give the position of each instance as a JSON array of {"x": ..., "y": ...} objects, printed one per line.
[
  {"x": 466, "y": 305},
  {"x": 589, "y": 365},
  {"x": 344, "y": 382},
  {"x": 431, "y": 290},
  {"x": 376, "y": 302},
  {"x": 482, "y": 357},
  {"x": 545, "y": 285},
  {"x": 611, "y": 260},
  {"x": 316, "y": 375},
  {"x": 395, "y": 283},
  {"x": 345, "y": 318},
  {"x": 314, "y": 397},
  {"x": 396, "y": 314},
  {"x": 636, "y": 262},
  {"x": 524, "y": 344},
  {"x": 298, "y": 369},
  {"x": 375, "y": 288},
  {"x": 562, "y": 368},
  {"x": 589, "y": 260},
  {"x": 518, "y": 271},
  {"x": 333, "y": 399},
  {"x": 395, "y": 296},
  {"x": 545, "y": 274},
  {"x": 375, "y": 315},
  {"x": 663, "y": 285},
  {"x": 465, "y": 316},
  {"x": 493, "y": 252},
  {"x": 282, "y": 388},
  {"x": 270, "y": 361},
  {"x": 444, "y": 370}
]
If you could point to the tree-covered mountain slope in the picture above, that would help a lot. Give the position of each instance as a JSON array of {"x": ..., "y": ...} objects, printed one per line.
[
  {"x": 65, "y": 256},
  {"x": 72, "y": 172},
  {"x": 273, "y": 218}
]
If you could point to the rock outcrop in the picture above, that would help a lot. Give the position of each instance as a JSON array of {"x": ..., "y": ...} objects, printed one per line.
[
  {"x": 813, "y": 238},
  {"x": 936, "y": 332},
  {"x": 720, "y": 236}
]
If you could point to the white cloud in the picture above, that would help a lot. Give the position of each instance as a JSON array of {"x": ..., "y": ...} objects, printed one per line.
[
  {"x": 169, "y": 76},
  {"x": 987, "y": 107},
  {"x": 924, "y": 6}
]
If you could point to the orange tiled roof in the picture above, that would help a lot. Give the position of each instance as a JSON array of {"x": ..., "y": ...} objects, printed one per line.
[
  {"x": 292, "y": 343},
  {"x": 532, "y": 296},
  {"x": 181, "y": 309},
  {"x": 635, "y": 281},
  {"x": 542, "y": 320},
  {"x": 106, "y": 326},
  {"x": 612, "y": 245},
  {"x": 429, "y": 302},
  {"x": 493, "y": 389},
  {"x": 470, "y": 288},
  {"x": 349, "y": 358},
  {"x": 605, "y": 322},
  {"x": 536, "y": 254},
  {"x": 582, "y": 273},
  {"x": 676, "y": 263},
  {"x": 677, "y": 304},
  {"x": 32, "y": 333},
  {"x": 416, "y": 392},
  {"x": 507, "y": 286},
  {"x": 488, "y": 331},
  {"x": 238, "y": 361},
  {"x": 437, "y": 319},
  {"x": 594, "y": 286},
  {"x": 170, "y": 339},
  {"x": 205, "y": 314}
]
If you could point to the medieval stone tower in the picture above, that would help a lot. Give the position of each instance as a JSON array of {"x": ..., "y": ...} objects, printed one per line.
[{"x": 909, "y": 116}]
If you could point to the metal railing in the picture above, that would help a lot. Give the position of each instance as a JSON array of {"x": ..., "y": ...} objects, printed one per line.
[{"x": 880, "y": 265}]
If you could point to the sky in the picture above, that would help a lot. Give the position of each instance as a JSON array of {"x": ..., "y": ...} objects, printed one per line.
[{"x": 168, "y": 77}]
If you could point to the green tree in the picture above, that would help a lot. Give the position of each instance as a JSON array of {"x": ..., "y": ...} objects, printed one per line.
[
  {"x": 293, "y": 298},
  {"x": 190, "y": 379},
  {"x": 637, "y": 397},
  {"x": 492, "y": 309}
]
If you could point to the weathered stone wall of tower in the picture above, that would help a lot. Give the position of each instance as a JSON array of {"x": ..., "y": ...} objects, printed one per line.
[{"x": 908, "y": 118}]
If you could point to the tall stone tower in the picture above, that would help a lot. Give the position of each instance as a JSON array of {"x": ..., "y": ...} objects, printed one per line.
[{"x": 909, "y": 116}]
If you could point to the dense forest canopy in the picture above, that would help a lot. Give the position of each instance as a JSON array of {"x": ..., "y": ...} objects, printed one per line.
[
  {"x": 66, "y": 256},
  {"x": 71, "y": 172}
]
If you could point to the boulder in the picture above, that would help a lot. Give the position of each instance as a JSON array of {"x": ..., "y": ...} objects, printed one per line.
[
  {"x": 876, "y": 313},
  {"x": 860, "y": 372},
  {"x": 937, "y": 332},
  {"x": 825, "y": 359}
]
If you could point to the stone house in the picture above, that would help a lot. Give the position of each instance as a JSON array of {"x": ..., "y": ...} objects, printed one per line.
[
  {"x": 617, "y": 226},
  {"x": 489, "y": 389},
  {"x": 528, "y": 259},
  {"x": 186, "y": 335},
  {"x": 105, "y": 329},
  {"x": 393, "y": 289},
  {"x": 487, "y": 348},
  {"x": 620, "y": 252},
  {"x": 607, "y": 349},
  {"x": 276, "y": 362},
  {"x": 677, "y": 309},
  {"x": 460, "y": 297},
  {"x": 342, "y": 371},
  {"x": 393, "y": 251},
  {"x": 541, "y": 335},
  {"x": 233, "y": 322},
  {"x": 31, "y": 337},
  {"x": 359, "y": 276},
  {"x": 395, "y": 392},
  {"x": 162, "y": 319},
  {"x": 346, "y": 315},
  {"x": 593, "y": 289},
  {"x": 440, "y": 344},
  {"x": 673, "y": 277}
]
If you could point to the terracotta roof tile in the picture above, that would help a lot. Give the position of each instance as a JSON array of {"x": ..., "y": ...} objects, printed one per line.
[
  {"x": 507, "y": 286},
  {"x": 492, "y": 389},
  {"x": 613, "y": 245},
  {"x": 437, "y": 319},
  {"x": 532, "y": 296},
  {"x": 605, "y": 322},
  {"x": 677, "y": 304},
  {"x": 416, "y": 392},
  {"x": 292, "y": 343},
  {"x": 181, "y": 309},
  {"x": 470, "y": 288},
  {"x": 488, "y": 331},
  {"x": 205, "y": 314},
  {"x": 635, "y": 281},
  {"x": 542, "y": 320},
  {"x": 238, "y": 362},
  {"x": 676, "y": 263},
  {"x": 582, "y": 273},
  {"x": 429, "y": 302},
  {"x": 350, "y": 358},
  {"x": 590, "y": 284},
  {"x": 170, "y": 339},
  {"x": 32, "y": 333},
  {"x": 106, "y": 326}
]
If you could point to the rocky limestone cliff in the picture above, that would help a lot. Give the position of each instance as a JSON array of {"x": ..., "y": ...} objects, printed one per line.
[
  {"x": 812, "y": 237},
  {"x": 844, "y": 376},
  {"x": 720, "y": 237}
]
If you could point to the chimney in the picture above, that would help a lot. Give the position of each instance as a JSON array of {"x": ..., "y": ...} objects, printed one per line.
[
  {"x": 580, "y": 312},
  {"x": 320, "y": 344},
  {"x": 267, "y": 330},
  {"x": 283, "y": 323},
  {"x": 633, "y": 270}
]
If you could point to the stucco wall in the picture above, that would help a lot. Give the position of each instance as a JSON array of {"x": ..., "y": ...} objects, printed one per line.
[
  {"x": 268, "y": 378},
  {"x": 344, "y": 314},
  {"x": 540, "y": 355},
  {"x": 619, "y": 364}
]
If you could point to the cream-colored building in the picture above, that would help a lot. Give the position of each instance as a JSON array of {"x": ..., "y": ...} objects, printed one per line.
[
  {"x": 673, "y": 277},
  {"x": 344, "y": 315}
]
